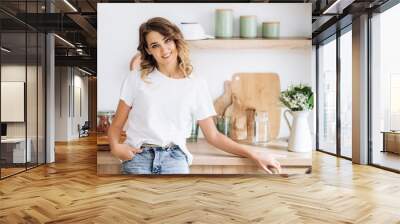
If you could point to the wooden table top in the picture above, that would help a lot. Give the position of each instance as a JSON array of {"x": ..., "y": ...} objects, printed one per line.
[
  {"x": 206, "y": 154},
  {"x": 391, "y": 132},
  {"x": 102, "y": 139}
]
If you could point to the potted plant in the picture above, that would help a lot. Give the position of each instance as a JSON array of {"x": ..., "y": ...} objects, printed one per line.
[{"x": 299, "y": 99}]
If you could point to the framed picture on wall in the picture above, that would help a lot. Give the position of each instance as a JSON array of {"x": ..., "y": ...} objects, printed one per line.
[
  {"x": 12, "y": 101},
  {"x": 162, "y": 101}
]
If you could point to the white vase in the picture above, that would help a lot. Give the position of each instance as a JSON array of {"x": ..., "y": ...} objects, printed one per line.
[{"x": 300, "y": 137}]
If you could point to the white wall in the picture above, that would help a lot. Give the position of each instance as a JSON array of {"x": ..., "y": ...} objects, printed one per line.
[
  {"x": 67, "y": 80},
  {"x": 80, "y": 82},
  {"x": 61, "y": 103},
  {"x": 118, "y": 39},
  {"x": 14, "y": 72}
]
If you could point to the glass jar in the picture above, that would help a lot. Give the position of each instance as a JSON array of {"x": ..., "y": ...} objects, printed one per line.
[
  {"x": 194, "y": 132},
  {"x": 224, "y": 125},
  {"x": 261, "y": 127},
  {"x": 104, "y": 119}
]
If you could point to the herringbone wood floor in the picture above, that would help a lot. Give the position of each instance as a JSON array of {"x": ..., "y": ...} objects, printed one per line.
[{"x": 70, "y": 192}]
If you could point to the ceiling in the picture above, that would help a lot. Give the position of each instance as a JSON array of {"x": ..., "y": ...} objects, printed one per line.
[{"x": 76, "y": 22}]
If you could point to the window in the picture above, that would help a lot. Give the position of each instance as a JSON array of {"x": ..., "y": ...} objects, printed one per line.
[
  {"x": 327, "y": 97},
  {"x": 385, "y": 89},
  {"x": 346, "y": 94}
]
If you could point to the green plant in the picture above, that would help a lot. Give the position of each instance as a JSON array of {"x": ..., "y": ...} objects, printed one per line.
[{"x": 298, "y": 98}]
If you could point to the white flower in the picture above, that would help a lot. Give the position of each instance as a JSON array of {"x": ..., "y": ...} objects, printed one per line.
[{"x": 296, "y": 100}]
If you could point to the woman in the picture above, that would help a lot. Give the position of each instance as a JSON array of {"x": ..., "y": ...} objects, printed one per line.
[{"x": 159, "y": 105}]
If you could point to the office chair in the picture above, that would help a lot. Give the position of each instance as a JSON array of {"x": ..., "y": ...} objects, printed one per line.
[{"x": 84, "y": 130}]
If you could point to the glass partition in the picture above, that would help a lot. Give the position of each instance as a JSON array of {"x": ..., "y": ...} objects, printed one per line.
[
  {"x": 14, "y": 153},
  {"x": 41, "y": 91},
  {"x": 22, "y": 88},
  {"x": 32, "y": 96}
]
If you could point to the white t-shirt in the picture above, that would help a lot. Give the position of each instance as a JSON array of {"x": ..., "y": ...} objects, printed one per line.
[{"x": 162, "y": 110}]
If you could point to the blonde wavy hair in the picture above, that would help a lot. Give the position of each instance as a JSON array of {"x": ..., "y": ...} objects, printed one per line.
[{"x": 170, "y": 31}]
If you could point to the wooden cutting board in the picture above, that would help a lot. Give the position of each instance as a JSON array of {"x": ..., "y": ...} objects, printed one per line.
[
  {"x": 238, "y": 119},
  {"x": 222, "y": 102},
  {"x": 259, "y": 91}
]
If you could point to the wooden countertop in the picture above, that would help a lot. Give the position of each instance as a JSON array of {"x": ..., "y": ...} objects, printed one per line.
[
  {"x": 102, "y": 139},
  {"x": 206, "y": 154},
  {"x": 207, "y": 159}
]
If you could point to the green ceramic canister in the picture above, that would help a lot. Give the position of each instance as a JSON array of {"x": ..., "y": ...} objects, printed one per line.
[
  {"x": 248, "y": 26},
  {"x": 270, "y": 29},
  {"x": 223, "y": 23}
]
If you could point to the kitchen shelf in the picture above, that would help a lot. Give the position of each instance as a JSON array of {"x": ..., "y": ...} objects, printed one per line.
[{"x": 258, "y": 43}]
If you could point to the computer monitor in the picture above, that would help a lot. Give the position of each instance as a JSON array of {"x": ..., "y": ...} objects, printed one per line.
[{"x": 3, "y": 129}]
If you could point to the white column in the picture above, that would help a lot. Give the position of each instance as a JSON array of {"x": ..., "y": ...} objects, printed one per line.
[
  {"x": 360, "y": 90},
  {"x": 50, "y": 100}
]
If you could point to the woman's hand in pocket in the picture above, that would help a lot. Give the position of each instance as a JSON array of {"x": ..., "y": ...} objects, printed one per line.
[{"x": 125, "y": 152}]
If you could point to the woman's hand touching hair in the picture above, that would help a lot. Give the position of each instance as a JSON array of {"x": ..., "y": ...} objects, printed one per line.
[{"x": 135, "y": 61}]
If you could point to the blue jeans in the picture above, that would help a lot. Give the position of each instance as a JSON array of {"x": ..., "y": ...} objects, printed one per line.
[{"x": 157, "y": 160}]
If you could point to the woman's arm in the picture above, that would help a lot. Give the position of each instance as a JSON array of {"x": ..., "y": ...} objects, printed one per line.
[
  {"x": 215, "y": 138},
  {"x": 122, "y": 151}
]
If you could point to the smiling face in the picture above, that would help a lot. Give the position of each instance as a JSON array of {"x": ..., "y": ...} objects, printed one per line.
[
  {"x": 161, "y": 43},
  {"x": 162, "y": 49}
]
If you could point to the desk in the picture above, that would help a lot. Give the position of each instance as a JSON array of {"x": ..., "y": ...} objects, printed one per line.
[
  {"x": 15, "y": 148},
  {"x": 391, "y": 141}
]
